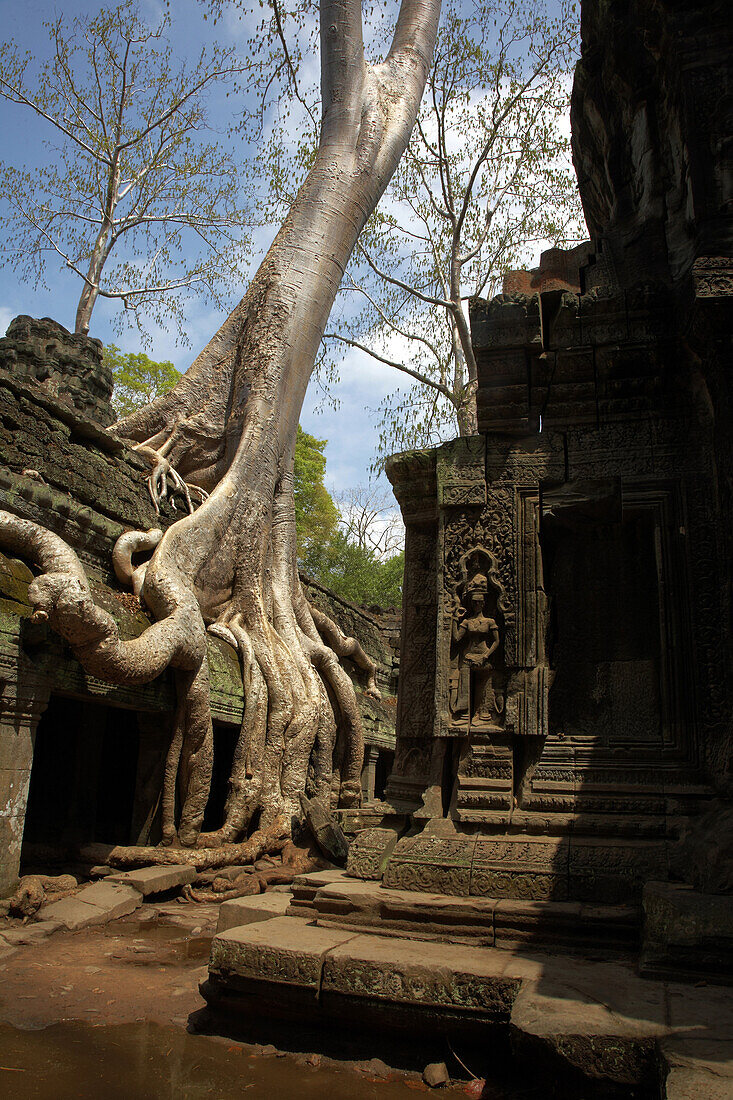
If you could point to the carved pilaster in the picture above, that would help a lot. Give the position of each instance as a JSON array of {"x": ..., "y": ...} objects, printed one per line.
[{"x": 20, "y": 711}]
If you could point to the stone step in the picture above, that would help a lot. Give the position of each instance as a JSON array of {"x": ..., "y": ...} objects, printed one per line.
[
  {"x": 494, "y": 922},
  {"x": 240, "y": 911},
  {"x": 95, "y": 904},
  {"x": 305, "y": 887},
  {"x": 595, "y": 1018},
  {"x": 155, "y": 880}
]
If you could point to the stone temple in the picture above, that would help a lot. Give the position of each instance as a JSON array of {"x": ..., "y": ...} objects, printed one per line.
[
  {"x": 564, "y": 761},
  {"x": 543, "y": 860}
]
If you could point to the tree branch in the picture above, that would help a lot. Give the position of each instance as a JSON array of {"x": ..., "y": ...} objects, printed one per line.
[{"x": 423, "y": 378}]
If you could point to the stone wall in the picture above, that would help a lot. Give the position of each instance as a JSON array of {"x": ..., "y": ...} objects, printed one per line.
[
  {"x": 652, "y": 116},
  {"x": 66, "y": 366}
]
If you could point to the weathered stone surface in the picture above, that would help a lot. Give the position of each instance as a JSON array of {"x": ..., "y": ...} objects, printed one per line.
[
  {"x": 67, "y": 366},
  {"x": 433, "y": 863},
  {"x": 327, "y": 833},
  {"x": 305, "y": 887},
  {"x": 704, "y": 857},
  {"x": 686, "y": 933},
  {"x": 154, "y": 880},
  {"x": 30, "y": 933},
  {"x": 369, "y": 853},
  {"x": 73, "y": 914},
  {"x": 699, "y": 1047},
  {"x": 600, "y": 1019},
  {"x": 424, "y": 974},
  {"x": 691, "y": 1077},
  {"x": 240, "y": 911},
  {"x": 436, "y": 1075},
  {"x": 651, "y": 158},
  {"x": 598, "y": 1022},
  {"x": 95, "y": 904},
  {"x": 283, "y": 950}
]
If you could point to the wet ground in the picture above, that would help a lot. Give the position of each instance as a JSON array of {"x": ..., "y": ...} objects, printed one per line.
[{"x": 109, "y": 1012}]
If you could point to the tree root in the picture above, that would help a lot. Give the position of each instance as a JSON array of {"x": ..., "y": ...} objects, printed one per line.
[
  {"x": 346, "y": 647},
  {"x": 61, "y": 596},
  {"x": 296, "y": 861},
  {"x": 34, "y": 890},
  {"x": 164, "y": 481},
  {"x": 262, "y": 842},
  {"x": 129, "y": 543}
]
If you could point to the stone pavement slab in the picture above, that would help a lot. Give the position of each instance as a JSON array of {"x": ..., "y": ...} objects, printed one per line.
[
  {"x": 422, "y": 973},
  {"x": 240, "y": 911},
  {"x": 570, "y": 996},
  {"x": 95, "y": 904},
  {"x": 154, "y": 880},
  {"x": 30, "y": 933},
  {"x": 283, "y": 950},
  {"x": 698, "y": 1068}
]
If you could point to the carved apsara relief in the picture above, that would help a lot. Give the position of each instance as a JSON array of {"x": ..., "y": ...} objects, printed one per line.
[{"x": 476, "y": 678}]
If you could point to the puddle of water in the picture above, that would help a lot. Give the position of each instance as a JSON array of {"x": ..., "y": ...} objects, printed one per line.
[
  {"x": 169, "y": 953},
  {"x": 147, "y": 1061}
]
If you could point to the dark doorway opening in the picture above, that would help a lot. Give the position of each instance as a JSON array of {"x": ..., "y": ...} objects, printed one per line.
[
  {"x": 82, "y": 785},
  {"x": 225, "y": 742},
  {"x": 385, "y": 762},
  {"x": 604, "y": 583}
]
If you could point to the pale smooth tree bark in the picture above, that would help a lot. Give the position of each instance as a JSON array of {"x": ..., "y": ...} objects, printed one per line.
[{"x": 229, "y": 427}]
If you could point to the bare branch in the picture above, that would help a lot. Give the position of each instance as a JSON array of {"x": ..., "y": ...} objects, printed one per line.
[{"x": 424, "y": 379}]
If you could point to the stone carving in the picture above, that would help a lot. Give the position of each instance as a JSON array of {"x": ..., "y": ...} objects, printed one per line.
[{"x": 476, "y": 694}]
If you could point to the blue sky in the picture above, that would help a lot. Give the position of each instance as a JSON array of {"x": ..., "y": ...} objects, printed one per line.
[{"x": 350, "y": 430}]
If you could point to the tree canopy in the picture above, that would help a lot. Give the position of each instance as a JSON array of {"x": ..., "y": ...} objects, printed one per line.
[
  {"x": 343, "y": 548},
  {"x": 316, "y": 515},
  {"x": 485, "y": 182},
  {"x": 135, "y": 198},
  {"x": 138, "y": 380}
]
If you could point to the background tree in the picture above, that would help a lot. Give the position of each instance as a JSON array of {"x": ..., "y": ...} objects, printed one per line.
[
  {"x": 356, "y": 573},
  {"x": 229, "y": 426},
  {"x": 486, "y": 179},
  {"x": 133, "y": 199},
  {"x": 371, "y": 519},
  {"x": 354, "y": 549},
  {"x": 316, "y": 515},
  {"x": 137, "y": 379}
]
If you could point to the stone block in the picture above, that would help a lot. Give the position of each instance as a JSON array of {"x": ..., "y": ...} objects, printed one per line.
[
  {"x": 31, "y": 933},
  {"x": 154, "y": 880},
  {"x": 73, "y": 914},
  {"x": 240, "y": 911},
  {"x": 369, "y": 853},
  {"x": 686, "y": 933},
  {"x": 283, "y": 950},
  {"x": 507, "y": 321},
  {"x": 422, "y": 973},
  {"x": 525, "y": 867},
  {"x": 436, "y": 864},
  {"x": 317, "y": 879},
  {"x": 95, "y": 904},
  {"x": 614, "y": 870},
  {"x": 436, "y": 1075},
  {"x": 111, "y": 897}
]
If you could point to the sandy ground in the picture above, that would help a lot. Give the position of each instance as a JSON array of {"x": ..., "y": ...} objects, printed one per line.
[{"x": 106, "y": 1012}]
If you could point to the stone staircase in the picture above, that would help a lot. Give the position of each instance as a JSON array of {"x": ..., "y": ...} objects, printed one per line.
[{"x": 333, "y": 899}]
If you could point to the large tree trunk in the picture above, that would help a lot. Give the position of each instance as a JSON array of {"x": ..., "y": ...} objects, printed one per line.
[{"x": 229, "y": 426}]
